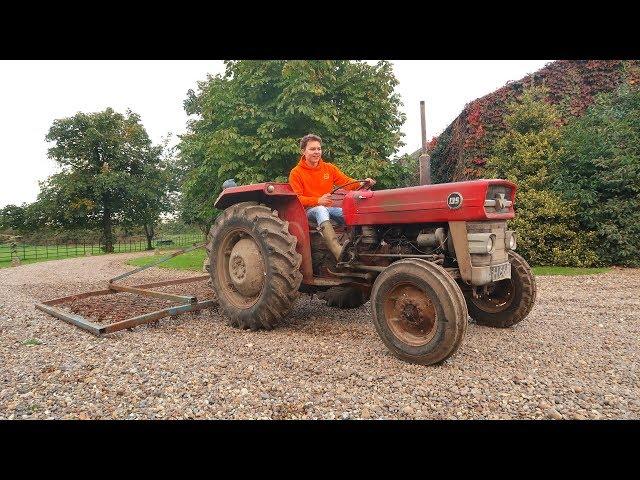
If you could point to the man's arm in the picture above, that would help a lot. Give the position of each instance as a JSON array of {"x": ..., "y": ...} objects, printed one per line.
[
  {"x": 297, "y": 186},
  {"x": 339, "y": 178}
]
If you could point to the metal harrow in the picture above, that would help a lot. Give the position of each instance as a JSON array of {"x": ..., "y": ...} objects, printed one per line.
[{"x": 188, "y": 303}]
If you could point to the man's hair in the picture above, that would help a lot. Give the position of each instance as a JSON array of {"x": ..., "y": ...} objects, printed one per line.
[{"x": 307, "y": 138}]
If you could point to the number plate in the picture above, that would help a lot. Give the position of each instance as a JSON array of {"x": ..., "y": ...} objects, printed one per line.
[{"x": 500, "y": 272}]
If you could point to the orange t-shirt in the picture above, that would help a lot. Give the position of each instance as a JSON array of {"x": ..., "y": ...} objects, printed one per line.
[{"x": 311, "y": 183}]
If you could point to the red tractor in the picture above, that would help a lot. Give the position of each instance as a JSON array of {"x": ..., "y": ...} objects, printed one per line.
[{"x": 427, "y": 256}]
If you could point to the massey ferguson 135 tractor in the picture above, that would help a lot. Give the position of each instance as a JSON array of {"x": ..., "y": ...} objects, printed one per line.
[{"x": 427, "y": 256}]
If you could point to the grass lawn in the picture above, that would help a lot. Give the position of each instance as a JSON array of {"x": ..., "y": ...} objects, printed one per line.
[
  {"x": 193, "y": 261},
  {"x": 187, "y": 261},
  {"x": 568, "y": 270},
  {"x": 40, "y": 253}
]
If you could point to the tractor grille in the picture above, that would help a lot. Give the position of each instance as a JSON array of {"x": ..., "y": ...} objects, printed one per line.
[
  {"x": 493, "y": 192},
  {"x": 499, "y": 254}
]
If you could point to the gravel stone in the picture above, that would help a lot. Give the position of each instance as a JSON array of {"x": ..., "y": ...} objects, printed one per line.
[
  {"x": 319, "y": 363},
  {"x": 554, "y": 414}
]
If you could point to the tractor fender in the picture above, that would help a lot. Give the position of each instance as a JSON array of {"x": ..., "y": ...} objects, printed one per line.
[
  {"x": 280, "y": 197},
  {"x": 257, "y": 192}
]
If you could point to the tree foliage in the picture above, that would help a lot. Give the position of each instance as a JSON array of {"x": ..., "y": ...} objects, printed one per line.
[
  {"x": 111, "y": 173},
  {"x": 248, "y": 122},
  {"x": 22, "y": 219},
  {"x": 599, "y": 170},
  {"x": 546, "y": 223}
]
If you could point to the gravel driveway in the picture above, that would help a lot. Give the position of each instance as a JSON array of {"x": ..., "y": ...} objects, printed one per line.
[{"x": 576, "y": 357}]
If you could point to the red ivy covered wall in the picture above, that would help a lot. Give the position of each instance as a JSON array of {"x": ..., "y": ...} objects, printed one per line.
[{"x": 461, "y": 151}]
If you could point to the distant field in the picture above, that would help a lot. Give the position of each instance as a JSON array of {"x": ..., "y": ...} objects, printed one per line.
[
  {"x": 187, "y": 261},
  {"x": 39, "y": 253}
]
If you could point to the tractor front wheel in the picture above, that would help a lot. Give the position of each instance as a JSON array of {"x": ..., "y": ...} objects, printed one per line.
[
  {"x": 419, "y": 311},
  {"x": 506, "y": 302},
  {"x": 344, "y": 297},
  {"x": 254, "y": 266}
]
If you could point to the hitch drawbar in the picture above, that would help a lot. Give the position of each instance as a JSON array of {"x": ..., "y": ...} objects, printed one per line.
[{"x": 187, "y": 303}]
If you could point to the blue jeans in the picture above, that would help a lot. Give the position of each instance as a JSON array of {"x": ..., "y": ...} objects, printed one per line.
[{"x": 321, "y": 214}]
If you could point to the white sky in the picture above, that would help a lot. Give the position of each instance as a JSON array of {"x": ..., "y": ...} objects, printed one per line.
[{"x": 35, "y": 93}]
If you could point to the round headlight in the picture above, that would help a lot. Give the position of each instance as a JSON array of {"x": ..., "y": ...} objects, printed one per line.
[{"x": 490, "y": 244}]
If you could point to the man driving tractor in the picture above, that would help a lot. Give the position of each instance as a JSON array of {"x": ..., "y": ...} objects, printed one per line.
[{"x": 312, "y": 179}]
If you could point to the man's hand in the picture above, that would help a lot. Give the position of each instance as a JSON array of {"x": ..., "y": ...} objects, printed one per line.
[
  {"x": 370, "y": 181},
  {"x": 325, "y": 200}
]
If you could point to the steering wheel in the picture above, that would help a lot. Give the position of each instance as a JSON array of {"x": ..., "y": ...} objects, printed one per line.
[{"x": 365, "y": 184}]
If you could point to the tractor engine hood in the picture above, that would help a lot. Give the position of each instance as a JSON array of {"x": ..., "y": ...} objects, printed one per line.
[{"x": 474, "y": 200}]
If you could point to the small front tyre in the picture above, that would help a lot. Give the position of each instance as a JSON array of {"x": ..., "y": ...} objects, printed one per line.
[
  {"x": 419, "y": 311},
  {"x": 506, "y": 302},
  {"x": 344, "y": 297}
]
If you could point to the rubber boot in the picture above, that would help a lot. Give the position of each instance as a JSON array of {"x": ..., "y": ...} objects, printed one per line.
[{"x": 329, "y": 235}]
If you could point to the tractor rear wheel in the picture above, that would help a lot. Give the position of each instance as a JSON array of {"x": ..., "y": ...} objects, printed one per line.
[
  {"x": 254, "y": 266},
  {"x": 507, "y": 301},
  {"x": 419, "y": 311},
  {"x": 344, "y": 297}
]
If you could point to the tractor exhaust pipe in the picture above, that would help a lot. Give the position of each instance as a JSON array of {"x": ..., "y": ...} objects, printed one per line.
[{"x": 425, "y": 159}]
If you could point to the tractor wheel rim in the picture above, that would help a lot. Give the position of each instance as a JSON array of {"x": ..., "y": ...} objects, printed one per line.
[
  {"x": 498, "y": 298},
  {"x": 241, "y": 269},
  {"x": 246, "y": 267},
  {"x": 410, "y": 314}
]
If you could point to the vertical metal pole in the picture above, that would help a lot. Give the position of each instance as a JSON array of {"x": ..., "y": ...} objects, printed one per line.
[
  {"x": 425, "y": 159},
  {"x": 423, "y": 124}
]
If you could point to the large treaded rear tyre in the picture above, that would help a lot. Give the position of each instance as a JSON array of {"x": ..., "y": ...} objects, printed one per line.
[
  {"x": 419, "y": 311},
  {"x": 509, "y": 301},
  {"x": 254, "y": 266},
  {"x": 344, "y": 297}
]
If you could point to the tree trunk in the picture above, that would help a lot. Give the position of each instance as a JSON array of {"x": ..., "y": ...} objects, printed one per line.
[
  {"x": 106, "y": 230},
  {"x": 149, "y": 231}
]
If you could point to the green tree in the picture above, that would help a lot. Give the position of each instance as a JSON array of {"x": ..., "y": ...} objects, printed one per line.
[
  {"x": 24, "y": 219},
  {"x": 109, "y": 175},
  {"x": 599, "y": 170},
  {"x": 12, "y": 217},
  {"x": 247, "y": 124},
  {"x": 155, "y": 195},
  {"x": 527, "y": 154}
]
